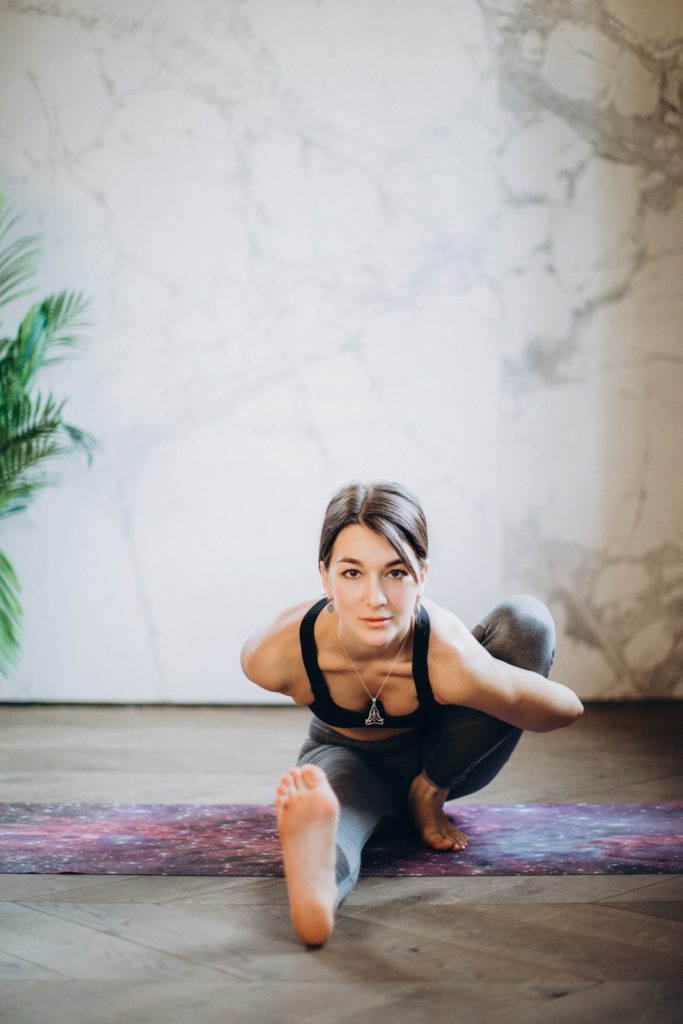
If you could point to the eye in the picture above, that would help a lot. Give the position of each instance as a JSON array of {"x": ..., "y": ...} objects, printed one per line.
[
  {"x": 348, "y": 572},
  {"x": 400, "y": 573}
]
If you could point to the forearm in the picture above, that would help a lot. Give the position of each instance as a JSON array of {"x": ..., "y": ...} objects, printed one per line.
[{"x": 540, "y": 704}]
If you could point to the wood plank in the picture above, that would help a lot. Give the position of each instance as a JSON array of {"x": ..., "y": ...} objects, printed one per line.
[
  {"x": 653, "y": 789},
  {"x": 601, "y": 1003},
  {"x": 135, "y": 787},
  {"x": 573, "y": 938},
  {"x": 229, "y": 943},
  {"x": 30, "y": 886},
  {"x": 267, "y": 947},
  {"x": 604, "y": 922},
  {"x": 366, "y": 949},
  {"x": 502, "y": 889},
  {"x": 114, "y": 888},
  {"x": 668, "y": 888},
  {"x": 78, "y": 952},
  {"x": 295, "y": 1002},
  {"x": 672, "y": 911},
  {"x": 621, "y": 1002},
  {"x": 16, "y": 969},
  {"x": 242, "y": 892}
]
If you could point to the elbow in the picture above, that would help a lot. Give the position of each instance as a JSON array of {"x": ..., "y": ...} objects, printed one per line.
[
  {"x": 561, "y": 719},
  {"x": 247, "y": 662},
  {"x": 577, "y": 709},
  {"x": 573, "y": 713}
]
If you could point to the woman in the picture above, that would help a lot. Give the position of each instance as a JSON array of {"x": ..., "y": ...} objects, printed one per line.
[{"x": 410, "y": 708}]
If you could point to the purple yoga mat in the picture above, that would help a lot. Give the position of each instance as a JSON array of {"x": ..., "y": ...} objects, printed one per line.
[{"x": 234, "y": 839}]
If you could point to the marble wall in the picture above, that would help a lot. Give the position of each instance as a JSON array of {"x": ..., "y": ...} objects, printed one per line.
[
  {"x": 592, "y": 241},
  {"x": 433, "y": 242}
]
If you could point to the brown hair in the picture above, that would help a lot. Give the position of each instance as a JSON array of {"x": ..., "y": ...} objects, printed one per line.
[{"x": 387, "y": 508}]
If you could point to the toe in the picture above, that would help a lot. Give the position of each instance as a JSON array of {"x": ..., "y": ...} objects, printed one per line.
[
  {"x": 312, "y": 776},
  {"x": 438, "y": 841},
  {"x": 289, "y": 781},
  {"x": 284, "y": 791},
  {"x": 288, "y": 785}
]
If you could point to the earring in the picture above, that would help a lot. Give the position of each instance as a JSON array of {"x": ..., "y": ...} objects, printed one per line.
[{"x": 329, "y": 607}]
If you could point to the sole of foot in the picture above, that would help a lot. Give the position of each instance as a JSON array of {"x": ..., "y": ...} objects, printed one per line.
[{"x": 307, "y": 811}]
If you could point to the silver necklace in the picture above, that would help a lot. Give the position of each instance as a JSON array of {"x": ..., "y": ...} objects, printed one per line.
[{"x": 374, "y": 717}]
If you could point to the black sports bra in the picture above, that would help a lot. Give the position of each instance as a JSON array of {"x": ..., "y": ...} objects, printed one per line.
[{"x": 324, "y": 708}]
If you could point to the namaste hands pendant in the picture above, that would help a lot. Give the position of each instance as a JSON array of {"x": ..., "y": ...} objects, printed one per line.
[{"x": 374, "y": 718}]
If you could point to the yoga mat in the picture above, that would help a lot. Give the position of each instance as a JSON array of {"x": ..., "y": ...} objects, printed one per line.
[{"x": 234, "y": 839}]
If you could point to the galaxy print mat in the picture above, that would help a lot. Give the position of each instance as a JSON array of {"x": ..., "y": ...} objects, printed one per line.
[{"x": 191, "y": 839}]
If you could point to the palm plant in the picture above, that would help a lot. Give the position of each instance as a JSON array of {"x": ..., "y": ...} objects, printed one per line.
[{"x": 32, "y": 430}]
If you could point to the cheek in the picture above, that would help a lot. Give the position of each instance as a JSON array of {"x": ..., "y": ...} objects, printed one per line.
[{"x": 347, "y": 595}]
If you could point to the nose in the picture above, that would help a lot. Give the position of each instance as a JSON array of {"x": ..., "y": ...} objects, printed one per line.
[{"x": 374, "y": 594}]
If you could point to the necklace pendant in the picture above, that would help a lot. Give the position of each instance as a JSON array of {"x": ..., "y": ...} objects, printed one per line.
[{"x": 374, "y": 717}]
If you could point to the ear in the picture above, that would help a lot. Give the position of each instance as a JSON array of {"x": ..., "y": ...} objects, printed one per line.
[
  {"x": 423, "y": 577},
  {"x": 325, "y": 579}
]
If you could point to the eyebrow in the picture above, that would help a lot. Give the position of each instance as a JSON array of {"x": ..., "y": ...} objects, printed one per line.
[{"x": 355, "y": 561}]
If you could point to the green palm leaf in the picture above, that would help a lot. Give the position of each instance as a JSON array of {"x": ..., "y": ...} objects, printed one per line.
[
  {"x": 48, "y": 327},
  {"x": 10, "y": 615},
  {"x": 63, "y": 322},
  {"x": 80, "y": 440},
  {"x": 33, "y": 433},
  {"x": 18, "y": 259}
]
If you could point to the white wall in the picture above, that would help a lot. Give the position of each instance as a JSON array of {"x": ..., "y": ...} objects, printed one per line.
[{"x": 417, "y": 241}]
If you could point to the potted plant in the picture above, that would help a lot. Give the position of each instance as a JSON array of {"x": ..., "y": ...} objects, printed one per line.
[{"x": 32, "y": 429}]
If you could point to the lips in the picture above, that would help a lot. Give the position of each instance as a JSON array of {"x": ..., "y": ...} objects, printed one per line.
[{"x": 376, "y": 620}]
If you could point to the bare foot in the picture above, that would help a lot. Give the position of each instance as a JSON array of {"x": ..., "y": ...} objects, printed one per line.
[
  {"x": 307, "y": 815},
  {"x": 426, "y": 807}
]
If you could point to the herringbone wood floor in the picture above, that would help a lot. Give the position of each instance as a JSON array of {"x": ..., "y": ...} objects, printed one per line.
[{"x": 499, "y": 950}]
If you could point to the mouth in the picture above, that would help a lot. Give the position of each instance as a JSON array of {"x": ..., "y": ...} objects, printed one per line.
[{"x": 385, "y": 619}]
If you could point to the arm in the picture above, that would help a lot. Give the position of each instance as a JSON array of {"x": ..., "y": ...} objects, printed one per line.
[
  {"x": 465, "y": 673},
  {"x": 270, "y": 656},
  {"x": 260, "y": 664}
]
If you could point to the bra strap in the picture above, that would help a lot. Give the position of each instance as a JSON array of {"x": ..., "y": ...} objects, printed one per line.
[
  {"x": 309, "y": 651},
  {"x": 420, "y": 650}
]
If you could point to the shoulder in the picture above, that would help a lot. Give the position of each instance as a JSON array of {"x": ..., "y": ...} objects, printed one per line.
[
  {"x": 447, "y": 632},
  {"x": 452, "y": 648},
  {"x": 271, "y": 654}
]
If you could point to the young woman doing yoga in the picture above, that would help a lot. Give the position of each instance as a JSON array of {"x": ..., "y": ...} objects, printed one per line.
[{"x": 410, "y": 708}]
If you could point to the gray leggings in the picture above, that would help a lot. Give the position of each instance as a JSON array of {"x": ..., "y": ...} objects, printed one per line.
[{"x": 461, "y": 749}]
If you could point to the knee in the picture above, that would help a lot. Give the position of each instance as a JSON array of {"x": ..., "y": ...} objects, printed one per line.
[
  {"x": 523, "y": 611},
  {"x": 525, "y": 628}
]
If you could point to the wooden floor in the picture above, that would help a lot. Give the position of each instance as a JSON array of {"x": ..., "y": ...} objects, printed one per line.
[{"x": 519, "y": 950}]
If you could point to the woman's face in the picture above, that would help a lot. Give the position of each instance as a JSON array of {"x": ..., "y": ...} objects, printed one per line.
[{"x": 373, "y": 592}]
